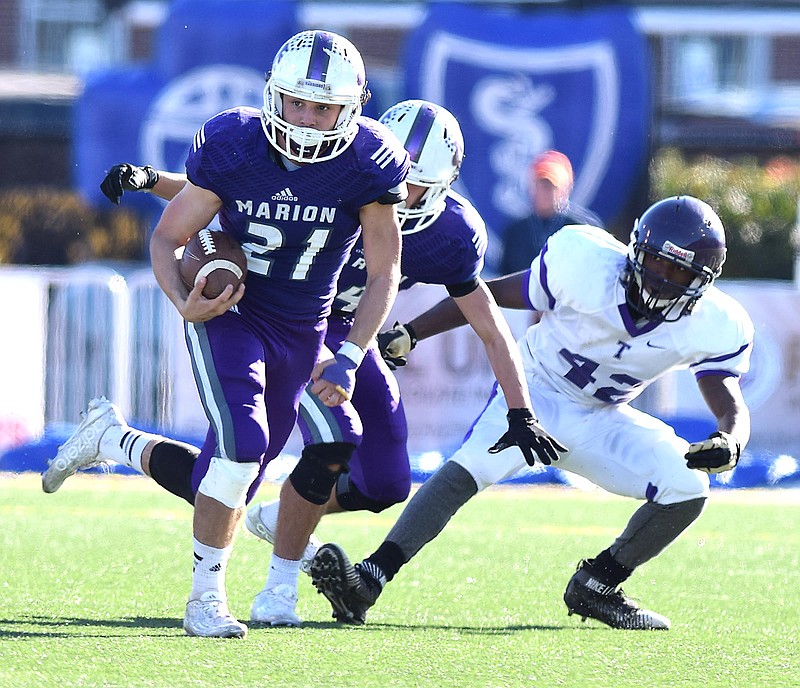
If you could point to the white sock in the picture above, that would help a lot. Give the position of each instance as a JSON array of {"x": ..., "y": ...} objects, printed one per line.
[
  {"x": 269, "y": 514},
  {"x": 282, "y": 572},
  {"x": 125, "y": 445},
  {"x": 208, "y": 573}
]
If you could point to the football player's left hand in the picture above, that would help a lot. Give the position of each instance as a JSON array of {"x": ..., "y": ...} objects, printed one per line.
[
  {"x": 334, "y": 383},
  {"x": 525, "y": 432},
  {"x": 720, "y": 452}
]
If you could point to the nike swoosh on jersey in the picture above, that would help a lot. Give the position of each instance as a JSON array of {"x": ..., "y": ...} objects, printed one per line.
[{"x": 655, "y": 346}]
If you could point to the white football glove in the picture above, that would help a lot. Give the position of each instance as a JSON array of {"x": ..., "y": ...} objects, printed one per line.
[{"x": 719, "y": 453}]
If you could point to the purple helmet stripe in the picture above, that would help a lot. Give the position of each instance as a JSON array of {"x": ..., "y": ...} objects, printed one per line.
[
  {"x": 418, "y": 134},
  {"x": 320, "y": 56}
]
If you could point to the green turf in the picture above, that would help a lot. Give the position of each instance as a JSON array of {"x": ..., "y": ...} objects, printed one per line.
[{"x": 94, "y": 579}]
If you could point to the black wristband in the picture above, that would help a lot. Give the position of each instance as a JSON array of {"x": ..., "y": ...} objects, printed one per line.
[{"x": 412, "y": 334}]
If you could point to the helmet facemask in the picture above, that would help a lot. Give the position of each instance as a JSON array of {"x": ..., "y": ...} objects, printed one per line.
[
  {"x": 427, "y": 209},
  {"x": 320, "y": 67},
  {"x": 658, "y": 299}
]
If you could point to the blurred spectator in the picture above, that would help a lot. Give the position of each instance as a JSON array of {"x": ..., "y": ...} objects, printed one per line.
[{"x": 551, "y": 181}]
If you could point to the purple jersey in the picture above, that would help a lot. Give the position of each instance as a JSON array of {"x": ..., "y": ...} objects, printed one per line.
[
  {"x": 448, "y": 252},
  {"x": 297, "y": 227}
]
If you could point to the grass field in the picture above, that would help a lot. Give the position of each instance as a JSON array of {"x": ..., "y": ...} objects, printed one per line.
[{"x": 94, "y": 582}]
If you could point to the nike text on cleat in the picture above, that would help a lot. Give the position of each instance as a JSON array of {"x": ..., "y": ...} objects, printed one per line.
[
  {"x": 276, "y": 607},
  {"x": 350, "y": 590},
  {"x": 81, "y": 450},
  {"x": 262, "y": 519},
  {"x": 209, "y": 617},
  {"x": 590, "y": 598}
]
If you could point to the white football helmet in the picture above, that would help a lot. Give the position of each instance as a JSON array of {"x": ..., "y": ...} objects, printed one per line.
[
  {"x": 433, "y": 139},
  {"x": 322, "y": 67}
]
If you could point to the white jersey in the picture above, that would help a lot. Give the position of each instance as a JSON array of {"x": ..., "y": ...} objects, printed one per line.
[
  {"x": 587, "y": 345},
  {"x": 586, "y": 358}
]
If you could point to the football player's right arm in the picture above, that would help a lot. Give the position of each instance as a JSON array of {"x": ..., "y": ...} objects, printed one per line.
[
  {"x": 189, "y": 212},
  {"x": 524, "y": 430},
  {"x": 485, "y": 318}
]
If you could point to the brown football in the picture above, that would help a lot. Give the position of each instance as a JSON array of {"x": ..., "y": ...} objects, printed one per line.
[{"x": 218, "y": 257}]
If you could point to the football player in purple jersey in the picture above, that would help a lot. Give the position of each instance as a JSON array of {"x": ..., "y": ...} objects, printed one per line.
[
  {"x": 295, "y": 184},
  {"x": 444, "y": 242},
  {"x": 611, "y": 320}
]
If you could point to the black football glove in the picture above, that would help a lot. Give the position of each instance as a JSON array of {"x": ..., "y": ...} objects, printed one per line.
[
  {"x": 719, "y": 453},
  {"x": 525, "y": 432},
  {"x": 395, "y": 344},
  {"x": 127, "y": 177}
]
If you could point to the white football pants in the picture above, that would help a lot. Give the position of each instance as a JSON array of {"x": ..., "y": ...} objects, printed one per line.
[{"x": 623, "y": 450}]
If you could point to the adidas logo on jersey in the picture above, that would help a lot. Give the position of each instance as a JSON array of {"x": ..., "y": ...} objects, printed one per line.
[{"x": 284, "y": 195}]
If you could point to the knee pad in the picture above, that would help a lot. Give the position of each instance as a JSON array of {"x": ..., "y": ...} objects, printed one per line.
[
  {"x": 171, "y": 465},
  {"x": 350, "y": 498},
  {"x": 227, "y": 481},
  {"x": 312, "y": 477}
]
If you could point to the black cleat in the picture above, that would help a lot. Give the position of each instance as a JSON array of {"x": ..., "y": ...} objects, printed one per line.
[
  {"x": 350, "y": 590},
  {"x": 589, "y": 597}
]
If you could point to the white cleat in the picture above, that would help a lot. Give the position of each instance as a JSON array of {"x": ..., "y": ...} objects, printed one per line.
[
  {"x": 82, "y": 449},
  {"x": 209, "y": 617},
  {"x": 262, "y": 521},
  {"x": 276, "y": 607}
]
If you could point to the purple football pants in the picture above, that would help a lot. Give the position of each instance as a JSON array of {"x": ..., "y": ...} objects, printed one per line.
[
  {"x": 374, "y": 421},
  {"x": 250, "y": 373}
]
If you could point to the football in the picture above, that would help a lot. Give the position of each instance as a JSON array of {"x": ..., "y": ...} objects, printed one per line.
[{"x": 218, "y": 257}]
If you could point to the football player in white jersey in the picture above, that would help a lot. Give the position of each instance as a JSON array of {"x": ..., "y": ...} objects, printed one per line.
[{"x": 611, "y": 321}]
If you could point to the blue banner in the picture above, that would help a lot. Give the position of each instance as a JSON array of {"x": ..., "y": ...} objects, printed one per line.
[
  {"x": 520, "y": 83},
  {"x": 211, "y": 55}
]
